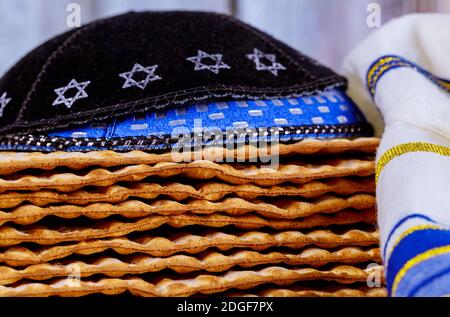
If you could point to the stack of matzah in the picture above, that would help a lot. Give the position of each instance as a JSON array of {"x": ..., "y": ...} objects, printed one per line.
[
  {"x": 75, "y": 224},
  {"x": 93, "y": 200}
]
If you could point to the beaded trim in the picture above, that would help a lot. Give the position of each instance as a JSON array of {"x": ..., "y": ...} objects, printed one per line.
[{"x": 167, "y": 142}]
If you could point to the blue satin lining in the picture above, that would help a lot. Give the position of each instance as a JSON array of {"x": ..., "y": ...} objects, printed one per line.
[{"x": 332, "y": 107}]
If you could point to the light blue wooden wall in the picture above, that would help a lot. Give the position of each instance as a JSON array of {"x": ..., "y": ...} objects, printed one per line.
[{"x": 324, "y": 29}]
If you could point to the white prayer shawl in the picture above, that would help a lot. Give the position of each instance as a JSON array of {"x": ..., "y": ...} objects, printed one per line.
[{"x": 400, "y": 76}]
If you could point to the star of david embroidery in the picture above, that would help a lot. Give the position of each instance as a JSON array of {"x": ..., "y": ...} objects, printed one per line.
[
  {"x": 258, "y": 57},
  {"x": 215, "y": 66},
  {"x": 69, "y": 101},
  {"x": 3, "y": 102},
  {"x": 138, "y": 68}
]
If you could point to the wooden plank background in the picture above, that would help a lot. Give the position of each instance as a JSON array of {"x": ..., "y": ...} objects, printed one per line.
[{"x": 323, "y": 29}]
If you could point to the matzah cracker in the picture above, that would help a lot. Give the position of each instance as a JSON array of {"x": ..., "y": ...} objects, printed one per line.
[
  {"x": 210, "y": 262},
  {"x": 210, "y": 191},
  {"x": 285, "y": 209},
  {"x": 192, "y": 244},
  {"x": 11, "y": 162},
  {"x": 198, "y": 170},
  {"x": 336, "y": 291},
  {"x": 112, "y": 228},
  {"x": 203, "y": 284}
]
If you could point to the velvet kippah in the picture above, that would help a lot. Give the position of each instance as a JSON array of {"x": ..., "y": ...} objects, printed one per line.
[{"x": 86, "y": 82}]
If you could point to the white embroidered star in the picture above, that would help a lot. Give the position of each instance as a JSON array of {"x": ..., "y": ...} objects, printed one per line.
[
  {"x": 3, "y": 102},
  {"x": 138, "y": 68},
  {"x": 73, "y": 84},
  {"x": 215, "y": 66},
  {"x": 257, "y": 56}
]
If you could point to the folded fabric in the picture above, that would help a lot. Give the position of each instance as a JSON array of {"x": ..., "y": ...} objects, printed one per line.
[{"x": 400, "y": 72}]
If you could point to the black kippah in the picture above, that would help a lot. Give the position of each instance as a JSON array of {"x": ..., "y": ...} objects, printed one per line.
[{"x": 140, "y": 62}]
